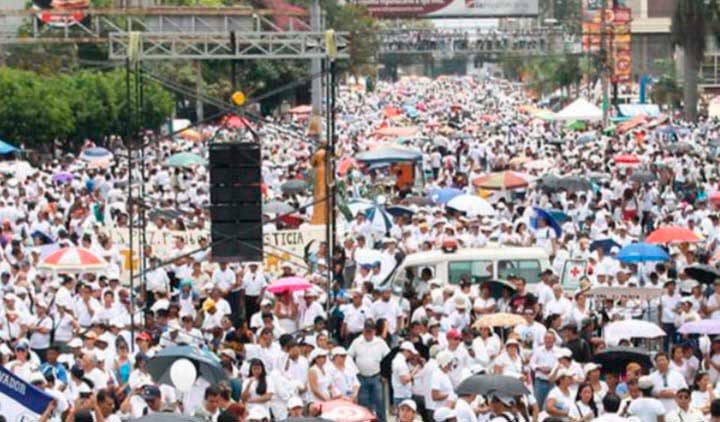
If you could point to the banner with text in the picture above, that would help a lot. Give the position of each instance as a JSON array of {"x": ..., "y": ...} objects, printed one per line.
[
  {"x": 289, "y": 246},
  {"x": 20, "y": 401},
  {"x": 449, "y": 8}
]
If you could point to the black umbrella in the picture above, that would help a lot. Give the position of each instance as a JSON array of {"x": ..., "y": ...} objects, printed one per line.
[
  {"x": 549, "y": 183},
  {"x": 418, "y": 200},
  {"x": 294, "y": 186},
  {"x": 643, "y": 176},
  {"x": 165, "y": 417},
  {"x": 166, "y": 213},
  {"x": 604, "y": 244},
  {"x": 574, "y": 184},
  {"x": 706, "y": 274},
  {"x": 681, "y": 147},
  {"x": 208, "y": 365},
  {"x": 616, "y": 359},
  {"x": 488, "y": 384}
]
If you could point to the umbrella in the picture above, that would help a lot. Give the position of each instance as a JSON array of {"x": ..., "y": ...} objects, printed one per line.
[
  {"x": 389, "y": 154},
  {"x": 359, "y": 206},
  {"x": 705, "y": 274},
  {"x": 541, "y": 164},
  {"x": 301, "y": 109},
  {"x": 379, "y": 219},
  {"x": 294, "y": 186},
  {"x": 503, "y": 180},
  {"x": 277, "y": 207},
  {"x": 208, "y": 365},
  {"x": 345, "y": 165},
  {"x": 627, "y": 159},
  {"x": 500, "y": 319},
  {"x": 342, "y": 410},
  {"x": 672, "y": 234},
  {"x": 586, "y": 138},
  {"x": 632, "y": 328},
  {"x": 191, "y": 135},
  {"x": 44, "y": 237},
  {"x": 288, "y": 284},
  {"x": 542, "y": 214},
  {"x": 6, "y": 148},
  {"x": 616, "y": 359},
  {"x": 235, "y": 122},
  {"x": 165, "y": 417},
  {"x": 642, "y": 252},
  {"x": 681, "y": 147},
  {"x": 708, "y": 327},
  {"x": 444, "y": 195},
  {"x": 73, "y": 259},
  {"x": 92, "y": 154},
  {"x": 399, "y": 210},
  {"x": 715, "y": 197},
  {"x": 184, "y": 159},
  {"x": 643, "y": 176},
  {"x": 575, "y": 125},
  {"x": 17, "y": 168},
  {"x": 549, "y": 182},
  {"x": 62, "y": 177},
  {"x": 559, "y": 215},
  {"x": 488, "y": 384},
  {"x": 604, "y": 244},
  {"x": 472, "y": 205},
  {"x": 574, "y": 184}
]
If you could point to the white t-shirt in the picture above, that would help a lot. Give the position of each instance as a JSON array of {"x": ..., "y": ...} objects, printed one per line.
[
  {"x": 673, "y": 381},
  {"x": 254, "y": 283},
  {"x": 441, "y": 382},
  {"x": 39, "y": 340},
  {"x": 579, "y": 411},
  {"x": 400, "y": 368},
  {"x": 465, "y": 412},
  {"x": 562, "y": 401},
  {"x": 647, "y": 409}
]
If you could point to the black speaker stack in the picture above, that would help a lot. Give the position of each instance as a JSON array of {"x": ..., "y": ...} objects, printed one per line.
[{"x": 236, "y": 202}]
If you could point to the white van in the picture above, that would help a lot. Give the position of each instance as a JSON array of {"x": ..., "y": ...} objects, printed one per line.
[{"x": 477, "y": 264}]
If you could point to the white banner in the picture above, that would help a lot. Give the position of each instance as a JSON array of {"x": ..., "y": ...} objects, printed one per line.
[
  {"x": 289, "y": 246},
  {"x": 20, "y": 401}
]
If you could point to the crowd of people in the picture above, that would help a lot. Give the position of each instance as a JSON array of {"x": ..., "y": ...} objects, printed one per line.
[
  {"x": 463, "y": 40},
  {"x": 403, "y": 351}
]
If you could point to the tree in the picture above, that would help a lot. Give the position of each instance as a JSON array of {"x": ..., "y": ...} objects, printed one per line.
[{"x": 691, "y": 23}]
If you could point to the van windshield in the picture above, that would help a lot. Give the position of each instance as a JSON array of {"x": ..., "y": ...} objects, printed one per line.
[
  {"x": 529, "y": 269},
  {"x": 475, "y": 271}
]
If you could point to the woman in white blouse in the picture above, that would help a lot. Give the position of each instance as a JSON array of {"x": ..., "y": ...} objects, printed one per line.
[
  {"x": 509, "y": 362},
  {"x": 320, "y": 378},
  {"x": 585, "y": 408},
  {"x": 257, "y": 389}
]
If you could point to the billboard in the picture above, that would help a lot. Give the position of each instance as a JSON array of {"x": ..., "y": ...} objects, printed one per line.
[
  {"x": 615, "y": 31},
  {"x": 74, "y": 12},
  {"x": 449, "y": 8}
]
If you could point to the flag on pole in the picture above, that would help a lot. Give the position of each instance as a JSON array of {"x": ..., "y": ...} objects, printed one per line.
[{"x": 19, "y": 400}]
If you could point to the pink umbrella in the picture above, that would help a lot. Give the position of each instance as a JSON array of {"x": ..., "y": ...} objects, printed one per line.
[
  {"x": 710, "y": 327},
  {"x": 73, "y": 260},
  {"x": 288, "y": 284}
]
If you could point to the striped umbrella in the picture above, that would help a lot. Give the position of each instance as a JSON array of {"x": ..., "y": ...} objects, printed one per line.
[
  {"x": 92, "y": 154},
  {"x": 504, "y": 180},
  {"x": 73, "y": 259},
  {"x": 380, "y": 219}
]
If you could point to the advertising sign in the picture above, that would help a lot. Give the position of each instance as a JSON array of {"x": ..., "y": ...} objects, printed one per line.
[
  {"x": 75, "y": 12},
  {"x": 449, "y": 8}
]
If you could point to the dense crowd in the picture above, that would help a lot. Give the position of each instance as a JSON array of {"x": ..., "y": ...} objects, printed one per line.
[{"x": 410, "y": 346}]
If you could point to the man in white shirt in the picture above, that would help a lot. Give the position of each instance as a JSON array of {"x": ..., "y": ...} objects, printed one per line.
[
  {"x": 224, "y": 278},
  {"x": 666, "y": 382},
  {"x": 355, "y": 315},
  {"x": 403, "y": 373},
  {"x": 254, "y": 284},
  {"x": 669, "y": 303},
  {"x": 441, "y": 392},
  {"x": 611, "y": 404},
  {"x": 542, "y": 362},
  {"x": 684, "y": 413},
  {"x": 310, "y": 309},
  {"x": 384, "y": 308},
  {"x": 646, "y": 408},
  {"x": 368, "y": 351}
]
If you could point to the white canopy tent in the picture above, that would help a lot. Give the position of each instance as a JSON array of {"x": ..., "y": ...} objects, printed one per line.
[{"x": 580, "y": 109}]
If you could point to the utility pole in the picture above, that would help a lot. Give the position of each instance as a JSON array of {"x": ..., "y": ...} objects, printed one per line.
[
  {"x": 316, "y": 91},
  {"x": 604, "y": 63}
]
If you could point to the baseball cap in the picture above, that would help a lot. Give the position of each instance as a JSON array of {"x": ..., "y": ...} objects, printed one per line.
[
  {"x": 150, "y": 392},
  {"x": 453, "y": 334},
  {"x": 409, "y": 403},
  {"x": 444, "y": 413},
  {"x": 294, "y": 402},
  {"x": 444, "y": 358},
  {"x": 645, "y": 382},
  {"x": 406, "y": 345}
]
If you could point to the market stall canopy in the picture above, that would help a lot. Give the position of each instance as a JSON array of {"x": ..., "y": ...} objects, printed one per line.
[
  {"x": 389, "y": 154},
  {"x": 580, "y": 109}
]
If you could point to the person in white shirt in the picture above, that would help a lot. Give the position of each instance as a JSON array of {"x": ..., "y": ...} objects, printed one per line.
[
  {"x": 310, "y": 309},
  {"x": 666, "y": 382},
  {"x": 223, "y": 278},
  {"x": 542, "y": 362},
  {"x": 683, "y": 412},
  {"x": 441, "y": 392},
  {"x": 646, "y": 408},
  {"x": 368, "y": 351},
  {"x": 254, "y": 284},
  {"x": 611, "y": 405},
  {"x": 669, "y": 303},
  {"x": 402, "y": 373},
  {"x": 384, "y": 308}
]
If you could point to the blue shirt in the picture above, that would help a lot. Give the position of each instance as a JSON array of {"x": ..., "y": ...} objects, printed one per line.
[{"x": 60, "y": 371}]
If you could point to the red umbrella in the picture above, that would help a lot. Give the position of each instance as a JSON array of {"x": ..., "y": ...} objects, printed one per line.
[
  {"x": 627, "y": 159},
  {"x": 236, "y": 122},
  {"x": 672, "y": 234},
  {"x": 301, "y": 109},
  {"x": 342, "y": 410},
  {"x": 345, "y": 165},
  {"x": 73, "y": 260},
  {"x": 288, "y": 284}
]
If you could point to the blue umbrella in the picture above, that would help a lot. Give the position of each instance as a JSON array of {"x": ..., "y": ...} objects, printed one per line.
[
  {"x": 604, "y": 244},
  {"x": 559, "y": 215},
  {"x": 398, "y": 210},
  {"x": 545, "y": 215},
  {"x": 586, "y": 138},
  {"x": 6, "y": 148},
  {"x": 667, "y": 130},
  {"x": 444, "y": 195},
  {"x": 642, "y": 252},
  {"x": 379, "y": 219}
]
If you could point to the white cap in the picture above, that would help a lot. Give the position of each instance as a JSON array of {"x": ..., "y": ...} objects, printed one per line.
[
  {"x": 645, "y": 382},
  {"x": 317, "y": 352},
  {"x": 563, "y": 352},
  {"x": 409, "y": 403},
  {"x": 338, "y": 351},
  {"x": 75, "y": 343},
  {"x": 258, "y": 413},
  {"x": 406, "y": 345},
  {"x": 36, "y": 377},
  {"x": 589, "y": 367},
  {"x": 444, "y": 358},
  {"x": 294, "y": 402},
  {"x": 443, "y": 414}
]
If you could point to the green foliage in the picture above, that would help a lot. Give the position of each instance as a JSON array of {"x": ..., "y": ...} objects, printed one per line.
[
  {"x": 666, "y": 90},
  {"x": 546, "y": 74},
  {"x": 37, "y": 109},
  {"x": 364, "y": 42},
  {"x": 512, "y": 65}
]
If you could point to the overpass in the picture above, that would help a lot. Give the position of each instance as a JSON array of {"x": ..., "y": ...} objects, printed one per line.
[{"x": 167, "y": 33}]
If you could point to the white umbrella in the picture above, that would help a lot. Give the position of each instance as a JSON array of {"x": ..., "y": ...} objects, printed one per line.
[
  {"x": 367, "y": 256},
  {"x": 359, "y": 205},
  {"x": 632, "y": 328},
  {"x": 472, "y": 205}
]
